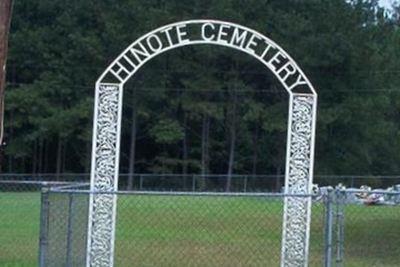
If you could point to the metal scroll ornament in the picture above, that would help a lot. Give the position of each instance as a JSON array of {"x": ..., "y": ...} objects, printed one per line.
[
  {"x": 298, "y": 182},
  {"x": 105, "y": 162}
]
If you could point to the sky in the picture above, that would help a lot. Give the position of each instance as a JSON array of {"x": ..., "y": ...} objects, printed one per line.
[{"x": 387, "y": 3}]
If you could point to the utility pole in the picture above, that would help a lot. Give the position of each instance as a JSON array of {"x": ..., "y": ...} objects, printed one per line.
[{"x": 5, "y": 20}]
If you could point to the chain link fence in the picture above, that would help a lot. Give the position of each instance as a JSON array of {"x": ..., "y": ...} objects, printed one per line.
[
  {"x": 178, "y": 229},
  {"x": 366, "y": 228},
  {"x": 20, "y": 203},
  {"x": 209, "y": 182},
  {"x": 349, "y": 227}
]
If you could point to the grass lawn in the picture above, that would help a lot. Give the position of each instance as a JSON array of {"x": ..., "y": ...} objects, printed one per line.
[
  {"x": 19, "y": 229},
  {"x": 203, "y": 231},
  {"x": 206, "y": 231}
]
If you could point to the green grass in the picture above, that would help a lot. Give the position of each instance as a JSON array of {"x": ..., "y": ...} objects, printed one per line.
[
  {"x": 198, "y": 231},
  {"x": 19, "y": 229},
  {"x": 206, "y": 231}
]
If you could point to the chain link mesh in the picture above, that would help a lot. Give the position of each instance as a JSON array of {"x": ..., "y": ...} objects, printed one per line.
[
  {"x": 66, "y": 232},
  {"x": 368, "y": 234},
  {"x": 19, "y": 223},
  {"x": 185, "y": 230},
  {"x": 172, "y": 229}
]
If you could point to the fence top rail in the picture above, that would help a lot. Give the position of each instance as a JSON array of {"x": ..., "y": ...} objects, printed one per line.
[
  {"x": 42, "y": 183},
  {"x": 321, "y": 176},
  {"x": 203, "y": 175},
  {"x": 369, "y": 191},
  {"x": 180, "y": 193},
  {"x": 71, "y": 186}
]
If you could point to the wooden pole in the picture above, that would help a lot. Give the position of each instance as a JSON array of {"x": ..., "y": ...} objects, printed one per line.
[{"x": 5, "y": 20}]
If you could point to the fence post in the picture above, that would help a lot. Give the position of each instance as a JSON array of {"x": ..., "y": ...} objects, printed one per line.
[
  {"x": 193, "y": 183},
  {"x": 140, "y": 182},
  {"x": 245, "y": 183},
  {"x": 69, "y": 229},
  {"x": 340, "y": 195},
  {"x": 328, "y": 227},
  {"x": 44, "y": 225}
]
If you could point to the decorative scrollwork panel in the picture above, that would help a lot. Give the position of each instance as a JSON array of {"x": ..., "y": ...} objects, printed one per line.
[
  {"x": 104, "y": 175},
  {"x": 298, "y": 181}
]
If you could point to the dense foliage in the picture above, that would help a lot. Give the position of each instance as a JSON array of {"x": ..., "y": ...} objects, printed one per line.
[{"x": 203, "y": 109}]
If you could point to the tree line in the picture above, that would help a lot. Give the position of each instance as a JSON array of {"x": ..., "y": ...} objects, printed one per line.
[{"x": 203, "y": 109}]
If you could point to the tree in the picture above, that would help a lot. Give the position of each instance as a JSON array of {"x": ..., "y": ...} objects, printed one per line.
[
  {"x": 203, "y": 109},
  {"x": 5, "y": 21}
]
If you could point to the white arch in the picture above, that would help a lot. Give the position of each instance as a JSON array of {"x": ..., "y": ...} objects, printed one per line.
[
  {"x": 107, "y": 127},
  {"x": 213, "y": 42}
]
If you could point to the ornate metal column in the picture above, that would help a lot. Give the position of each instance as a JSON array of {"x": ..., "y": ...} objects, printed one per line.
[
  {"x": 104, "y": 174},
  {"x": 298, "y": 180}
]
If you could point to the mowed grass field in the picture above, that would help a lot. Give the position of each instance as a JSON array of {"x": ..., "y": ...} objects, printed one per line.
[{"x": 206, "y": 231}]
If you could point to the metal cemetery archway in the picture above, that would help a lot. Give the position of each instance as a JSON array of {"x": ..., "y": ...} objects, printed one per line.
[{"x": 107, "y": 127}]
